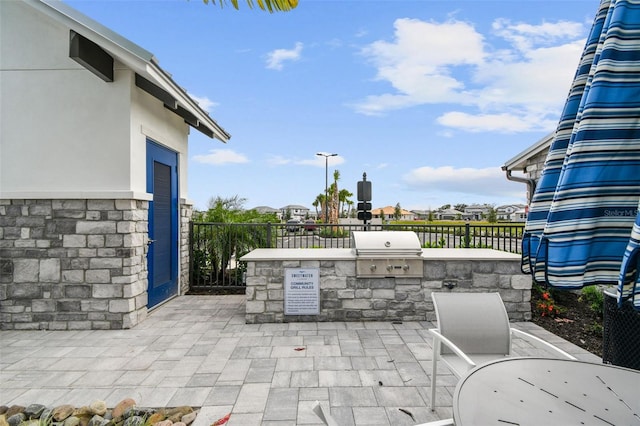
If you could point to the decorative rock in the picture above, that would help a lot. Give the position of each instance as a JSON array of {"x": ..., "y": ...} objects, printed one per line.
[
  {"x": 3, "y": 420},
  {"x": 187, "y": 419},
  {"x": 34, "y": 411},
  {"x": 134, "y": 421},
  {"x": 16, "y": 419},
  {"x": 97, "y": 420},
  {"x": 62, "y": 412},
  {"x": 71, "y": 421},
  {"x": 156, "y": 417},
  {"x": 179, "y": 424},
  {"x": 98, "y": 407},
  {"x": 31, "y": 422},
  {"x": 175, "y": 414},
  {"x": 3, "y": 409},
  {"x": 14, "y": 409},
  {"x": 164, "y": 423},
  {"x": 45, "y": 417},
  {"x": 121, "y": 407},
  {"x": 83, "y": 411}
]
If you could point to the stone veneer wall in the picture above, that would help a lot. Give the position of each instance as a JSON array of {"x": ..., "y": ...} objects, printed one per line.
[
  {"x": 186, "y": 215},
  {"x": 343, "y": 297},
  {"x": 73, "y": 264}
]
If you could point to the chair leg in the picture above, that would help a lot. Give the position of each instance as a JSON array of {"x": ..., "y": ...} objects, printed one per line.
[{"x": 434, "y": 371}]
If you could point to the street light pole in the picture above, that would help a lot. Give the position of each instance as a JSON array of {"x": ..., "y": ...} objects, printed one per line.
[{"x": 326, "y": 183}]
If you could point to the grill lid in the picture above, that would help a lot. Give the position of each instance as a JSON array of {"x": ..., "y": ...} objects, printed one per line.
[{"x": 386, "y": 243}]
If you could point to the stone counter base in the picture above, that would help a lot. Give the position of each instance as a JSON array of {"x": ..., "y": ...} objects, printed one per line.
[{"x": 344, "y": 297}]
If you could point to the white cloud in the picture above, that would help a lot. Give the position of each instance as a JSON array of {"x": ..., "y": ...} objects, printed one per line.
[
  {"x": 220, "y": 157},
  {"x": 489, "y": 182},
  {"x": 278, "y": 160},
  {"x": 519, "y": 87},
  {"x": 204, "y": 102},
  {"x": 276, "y": 58}
]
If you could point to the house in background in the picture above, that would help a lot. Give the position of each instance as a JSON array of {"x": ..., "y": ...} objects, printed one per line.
[
  {"x": 94, "y": 208},
  {"x": 294, "y": 211},
  {"x": 389, "y": 212},
  {"x": 511, "y": 212}
]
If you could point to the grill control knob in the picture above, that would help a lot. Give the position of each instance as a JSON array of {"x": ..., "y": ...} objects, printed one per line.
[
  {"x": 405, "y": 267},
  {"x": 372, "y": 267},
  {"x": 389, "y": 268}
]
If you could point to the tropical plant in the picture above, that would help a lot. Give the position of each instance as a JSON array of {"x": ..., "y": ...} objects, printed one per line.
[
  {"x": 214, "y": 251},
  {"x": 270, "y": 5},
  {"x": 397, "y": 212}
]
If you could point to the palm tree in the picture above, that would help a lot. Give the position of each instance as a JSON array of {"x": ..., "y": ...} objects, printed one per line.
[
  {"x": 270, "y": 5},
  {"x": 319, "y": 201},
  {"x": 343, "y": 198}
]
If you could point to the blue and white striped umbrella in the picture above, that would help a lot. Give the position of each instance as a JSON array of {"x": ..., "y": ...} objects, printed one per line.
[{"x": 583, "y": 211}]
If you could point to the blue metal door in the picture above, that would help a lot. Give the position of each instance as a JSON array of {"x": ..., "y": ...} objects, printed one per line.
[{"x": 162, "y": 257}]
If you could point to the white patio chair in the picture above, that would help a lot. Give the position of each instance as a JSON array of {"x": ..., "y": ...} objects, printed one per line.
[{"x": 473, "y": 328}]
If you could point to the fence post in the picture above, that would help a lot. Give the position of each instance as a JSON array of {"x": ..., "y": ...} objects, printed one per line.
[
  {"x": 268, "y": 235},
  {"x": 191, "y": 274},
  {"x": 467, "y": 237}
]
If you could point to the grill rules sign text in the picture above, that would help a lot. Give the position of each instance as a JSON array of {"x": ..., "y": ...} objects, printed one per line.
[{"x": 302, "y": 291}]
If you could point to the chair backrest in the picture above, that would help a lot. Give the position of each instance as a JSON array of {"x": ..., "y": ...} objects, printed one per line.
[{"x": 477, "y": 323}]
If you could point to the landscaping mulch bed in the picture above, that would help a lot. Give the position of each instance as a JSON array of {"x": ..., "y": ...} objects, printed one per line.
[{"x": 576, "y": 322}]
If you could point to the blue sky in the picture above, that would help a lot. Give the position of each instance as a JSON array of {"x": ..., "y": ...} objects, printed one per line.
[{"x": 429, "y": 98}]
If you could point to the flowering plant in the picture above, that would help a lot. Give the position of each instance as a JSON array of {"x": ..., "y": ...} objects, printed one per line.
[{"x": 547, "y": 306}]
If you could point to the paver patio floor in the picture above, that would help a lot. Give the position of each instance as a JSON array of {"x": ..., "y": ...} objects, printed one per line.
[{"x": 198, "y": 351}]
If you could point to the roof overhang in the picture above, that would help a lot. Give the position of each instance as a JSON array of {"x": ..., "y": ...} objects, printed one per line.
[
  {"x": 95, "y": 44},
  {"x": 519, "y": 162}
]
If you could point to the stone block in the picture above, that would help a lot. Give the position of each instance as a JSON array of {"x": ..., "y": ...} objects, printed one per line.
[
  {"x": 134, "y": 289},
  {"x": 68, "y": 306},
  {"x": 77, "y": 291},
  {"x": 69, "y": 204},
  {"x": 459, "y": 270},
  {"x": 101, "y": 204},
  {"x": 521, "y": 282},
  {"x": 276, "y": 294},
  {"x": 508, "y": 267},
  {"x": 114, "y": 240},
  {"x": 125, "y": 204},
  {"x": 43, "y": 306},
  {"x": 435, "y": 270},
  {"x": 274, "y": 306},
  {"x": 384, "y": 294},
  {"x": 95, "y": 227},
  {"x": 50, "y": 270},
  {"x": 488, "y": 281},
  {"x": 106, "y": 291},
  {"x": 255, "y": 307},
  {"x": 122, "y": 305},
  {"x": 98, "y": 276},
  {"x": 126, "y": 227},
  {"x": 333, "y": 282},
  {"x": 346, "y": 294},
  {"x": 95, "y": 241},
  {"x": 345, "y": 268},
  {"x": 133, "y": 240},
  {"x": 363, "y": 293},
  {"x": 105, "y": 263},
  {"x": 357, "y": 304},
  {"x": 26, "y": 270}
]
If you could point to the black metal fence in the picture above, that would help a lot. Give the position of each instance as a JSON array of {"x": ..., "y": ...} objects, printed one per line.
[{"x": 216, "y": 247}]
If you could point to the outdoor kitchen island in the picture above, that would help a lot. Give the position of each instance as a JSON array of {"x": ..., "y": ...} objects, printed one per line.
[{"x": 352, "y": 284}]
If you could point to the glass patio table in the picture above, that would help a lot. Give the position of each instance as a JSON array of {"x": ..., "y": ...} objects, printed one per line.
[{"x": 537, "y": 391}]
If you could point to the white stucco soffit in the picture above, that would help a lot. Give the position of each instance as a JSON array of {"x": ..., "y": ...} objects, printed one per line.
[{"x": 149, "y": 76}]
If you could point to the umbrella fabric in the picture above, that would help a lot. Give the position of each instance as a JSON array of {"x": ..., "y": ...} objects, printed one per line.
[
  {"x": 629, "y": 282},
  {"x": 595, "y": 201},
  {"x": 546, "y": 186}
]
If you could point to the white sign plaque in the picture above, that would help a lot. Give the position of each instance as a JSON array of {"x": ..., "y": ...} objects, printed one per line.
[{"x": 301, "y": 291}]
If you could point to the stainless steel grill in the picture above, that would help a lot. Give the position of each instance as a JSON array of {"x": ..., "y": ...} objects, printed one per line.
[{"x": 387, "y": 254}]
